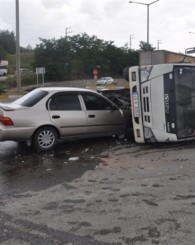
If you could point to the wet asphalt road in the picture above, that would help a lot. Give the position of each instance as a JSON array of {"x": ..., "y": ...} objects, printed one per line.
[
  {"x": 22, "y": 168},
  {"x": 116, "y": 193}
]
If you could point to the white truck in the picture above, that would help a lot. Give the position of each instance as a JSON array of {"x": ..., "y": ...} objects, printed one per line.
[
  {"x": 163, "y": 99},
  {"x": 3, "y": 67}
]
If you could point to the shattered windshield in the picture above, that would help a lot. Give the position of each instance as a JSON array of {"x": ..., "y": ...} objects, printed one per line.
[
  {"x": 145, "y": 73},
  {"x": 185, "y": 100}
]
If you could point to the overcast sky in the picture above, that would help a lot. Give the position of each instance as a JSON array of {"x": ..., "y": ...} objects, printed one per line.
[{"x": 110, "y": 20}]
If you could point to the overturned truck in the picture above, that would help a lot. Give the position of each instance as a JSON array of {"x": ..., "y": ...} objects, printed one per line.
[{"x": 163, "y": 102}]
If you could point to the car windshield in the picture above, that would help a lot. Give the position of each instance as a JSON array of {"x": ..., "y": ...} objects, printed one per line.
[
  {"x": 185, "y": 100},
  {"x": 31, "y": 98},
  {"x": 105, "y": 78}
]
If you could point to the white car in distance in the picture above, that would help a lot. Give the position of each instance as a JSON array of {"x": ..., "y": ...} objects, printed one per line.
[
  {"x": 105, "y": 81},
  {"x": 3, "y": 70}
]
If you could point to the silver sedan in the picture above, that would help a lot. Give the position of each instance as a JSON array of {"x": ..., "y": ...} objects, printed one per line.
[{"x": 44, "y": 116}]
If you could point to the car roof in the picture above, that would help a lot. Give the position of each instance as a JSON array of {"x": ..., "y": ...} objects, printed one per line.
[
  {"x": 105, "y": 77},
  {"x": 68, "y": 89}
]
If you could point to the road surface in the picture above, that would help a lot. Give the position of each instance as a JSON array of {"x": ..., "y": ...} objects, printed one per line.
[{"x": 98, "y": 191}]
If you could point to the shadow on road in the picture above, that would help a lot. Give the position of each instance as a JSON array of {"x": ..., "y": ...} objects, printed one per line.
[{"x": 23, "y": 169}]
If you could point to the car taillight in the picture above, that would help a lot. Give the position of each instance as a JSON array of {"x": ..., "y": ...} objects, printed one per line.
[{"x": 6, "y": 121}]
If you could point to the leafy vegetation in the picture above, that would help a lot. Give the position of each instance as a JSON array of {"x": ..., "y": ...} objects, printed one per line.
[
  {"x": 145, "y": 46},
  {"x": 26, "y": 61},
  {"x": 72, "y": 57},
  {"x": 7, "y": 43},
  {"x": 77, "y": 56},
  {"x": 10, "y": 82}
]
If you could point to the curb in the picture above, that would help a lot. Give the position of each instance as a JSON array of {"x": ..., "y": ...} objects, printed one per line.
[{"x": 6, "y": 96}]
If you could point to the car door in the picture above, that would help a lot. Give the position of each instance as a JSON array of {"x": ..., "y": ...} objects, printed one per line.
[
  {"x": 103, "y": 118},
  {"x": 67, "y": 114}
]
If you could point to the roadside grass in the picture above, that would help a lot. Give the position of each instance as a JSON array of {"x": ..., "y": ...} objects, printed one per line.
[
  {"x": 11, "y": 82},
  {"x": 26, "y": 61}
]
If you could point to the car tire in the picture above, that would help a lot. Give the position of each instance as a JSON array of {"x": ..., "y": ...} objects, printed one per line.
[{"x": 45, "y": 138}]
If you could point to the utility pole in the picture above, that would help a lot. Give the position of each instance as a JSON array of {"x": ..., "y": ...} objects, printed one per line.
[
  {"x": 130, "y": 40},
  {"x": 66, "y": 55},
  {"x": 18, "y": 47},
  {"x": 158, "y": 43},
  {"x": 67, "y": 32},
  {"x": 147, "y": 5}
]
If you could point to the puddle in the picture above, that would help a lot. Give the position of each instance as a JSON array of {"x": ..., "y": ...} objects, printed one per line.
[{"x": 23, "y": 169}]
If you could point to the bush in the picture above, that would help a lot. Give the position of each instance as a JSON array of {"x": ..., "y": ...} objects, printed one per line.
[
  {"x": 11, "y": 81},
  {"x": 28, "y": 79}
]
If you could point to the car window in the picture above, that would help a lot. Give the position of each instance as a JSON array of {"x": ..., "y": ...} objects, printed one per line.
[
  {"x": 3, "y": 67},
  {"x": 31, "y": 98},
  {"x": 114, "y": 99},
  {"x": 94, "y": 102},
  {"x": 65, "y": 102}
]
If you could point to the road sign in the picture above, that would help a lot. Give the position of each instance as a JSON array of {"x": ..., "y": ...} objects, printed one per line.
[
  {"x": 40, "y": 70},
  {"x": 95, "y": 73}
]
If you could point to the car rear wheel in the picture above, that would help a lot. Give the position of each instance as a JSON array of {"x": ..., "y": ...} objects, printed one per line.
[{"x": 45, "y": 138}]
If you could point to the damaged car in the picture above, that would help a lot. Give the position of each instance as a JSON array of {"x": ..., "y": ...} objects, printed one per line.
[
  {"x": 121, "y": 97},
  {"x": 45, "y": 116}
]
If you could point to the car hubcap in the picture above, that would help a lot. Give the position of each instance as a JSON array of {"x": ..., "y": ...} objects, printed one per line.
[{"x": 46, "y": 139}]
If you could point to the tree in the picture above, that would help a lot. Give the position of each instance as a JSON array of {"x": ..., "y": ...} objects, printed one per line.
[
  {"x": 2, "y": 53},
  {"x": 28, "y": 48},
  {"x": 8, "y": 41},
  {"x": 133, "y": 60},
  {"x": 75, "y": 57},
  {"x": 145, "y": 46}
]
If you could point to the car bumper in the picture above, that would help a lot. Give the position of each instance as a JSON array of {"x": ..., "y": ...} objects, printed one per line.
[{"x": 15, "y": 134}]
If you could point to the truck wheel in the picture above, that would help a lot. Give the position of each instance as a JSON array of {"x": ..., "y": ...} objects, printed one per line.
[{"x": 45, "y": 138}]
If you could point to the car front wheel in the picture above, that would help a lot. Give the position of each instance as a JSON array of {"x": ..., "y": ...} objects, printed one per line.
[{"x": 45, "y": 138}]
